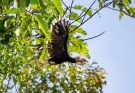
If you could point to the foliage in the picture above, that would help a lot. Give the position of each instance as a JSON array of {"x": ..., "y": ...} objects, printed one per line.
[{"x": 25, "y": 27}]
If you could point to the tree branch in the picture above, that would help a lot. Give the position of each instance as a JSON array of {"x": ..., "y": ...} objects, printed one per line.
[
  {"x": 94, "y": 36},
  {"x": 88, "y": 10},
  {"x": 106, "y": 5},
  {"x": 64, "y": 3},
  {"x": 80, "y": 16},
  {"x": 133, "y": 16},
  {"x": 71, "y": 8}
]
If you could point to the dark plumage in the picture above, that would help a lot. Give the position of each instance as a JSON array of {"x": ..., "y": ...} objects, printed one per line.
[{"x": 57, "y": 48}]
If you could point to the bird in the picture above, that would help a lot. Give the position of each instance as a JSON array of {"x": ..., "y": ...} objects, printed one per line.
[{"x": 57, "y": 47}]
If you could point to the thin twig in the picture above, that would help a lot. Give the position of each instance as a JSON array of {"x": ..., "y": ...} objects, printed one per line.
[
  {"x": 66, "y": 8},
  {"x": 65, "y": 13},
  {"x": 64, "y": 3},
  {"x": 87, "y": 11},
  {"x": 106, "y": 5},
  {"x": 80, "y": 16},
  {"x": 71, "y": 9},
  {"x": 94, "y": 36},
  {"x": 133, "y": 16}
]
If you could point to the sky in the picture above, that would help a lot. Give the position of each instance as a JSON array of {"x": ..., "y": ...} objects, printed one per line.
[{"x": 114, "y": 50}]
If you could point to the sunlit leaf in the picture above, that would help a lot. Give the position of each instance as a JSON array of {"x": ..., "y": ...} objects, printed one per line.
[
  {"x": 21, "y": 3},
  {"x": 78, "y": 30},
  {"x": 87, "y": 11},
  {"x": 43, "y": 25},
  {"x": 34, "y": 4},
  {"x": 75, "y": 16},
  {"x": 121, "y": 15},
  {"x": 127, "y": 2},
  {"x": 13, "y": 11},
  {"x": 78, "y": 7},
  {"x": 43, "y": 54},
  {"x": 58, "y": 5}
]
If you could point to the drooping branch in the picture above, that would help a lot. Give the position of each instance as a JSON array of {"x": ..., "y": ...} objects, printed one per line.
[{"x": 94, "y": 36}]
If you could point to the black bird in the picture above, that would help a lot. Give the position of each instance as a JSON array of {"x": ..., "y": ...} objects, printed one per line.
[{"x": 57, "y": 48}]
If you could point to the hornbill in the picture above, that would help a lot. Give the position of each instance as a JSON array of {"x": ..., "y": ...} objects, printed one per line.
[{"x": 57, "y": 47}]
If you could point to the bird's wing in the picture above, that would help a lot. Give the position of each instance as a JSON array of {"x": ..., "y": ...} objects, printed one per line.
[{"x": 59, "y": 34}]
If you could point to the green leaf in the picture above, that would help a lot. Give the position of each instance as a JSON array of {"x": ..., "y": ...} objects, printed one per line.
[
  {"x": 128, "y": 10},
  {"x": 27, "y": 2},
  {"x": 89, "y": 12},
  {"x": 78, "y": 7},
  {"x": 121, "y": 15},
  {"x": 21, "y": 4},
  {"x": 34, "y": 4},
  {"x": 13, "y": 11},
  {"x": 43, "y": 26},
  {"x": 24, "y": 23},
  {"x": 75, "y": 16},
  {"x": 6, "y": 2},
  {"x": 43, "y": 54},
  {"x": 127, "y": 2},
  {"x": 58, "y": 5},
  {"x": 39, "y": 41},
  {"x": 114, "y": 4},
  {"x": 78, "y": 46},
  {"x": 51, "y": 18},
  {"x": 78, "y": 30},
  {"x": 100, "y": 4}
]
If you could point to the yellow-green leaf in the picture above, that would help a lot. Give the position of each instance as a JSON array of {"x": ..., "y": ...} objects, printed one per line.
[
  {"x": 78, "y": 7},
  {"x": 75, "y": 16},
  {"x": 34, "y": 4},
  {"x": 58, "y": 5},
  {"x": 43, "y": 54},
  {"x": 88, "y": 12},
  {"x": 13, "y": 11},
  {"x": 43, "y": 25}
]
